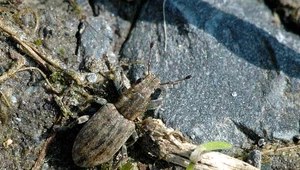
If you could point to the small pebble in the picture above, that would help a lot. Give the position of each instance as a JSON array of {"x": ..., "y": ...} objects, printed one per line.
[
  {"x": 254, "y": 158},
  {"x": 234, "y": 94},
  {"x": 13, "y": 99},
  {"x": 91, "y": 78},
  {"x": 7, "y": 143},
  {"x": 45, "y": 166}
]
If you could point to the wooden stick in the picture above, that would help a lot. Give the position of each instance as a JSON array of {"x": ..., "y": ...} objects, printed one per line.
[{"x": 174, "y": 148}]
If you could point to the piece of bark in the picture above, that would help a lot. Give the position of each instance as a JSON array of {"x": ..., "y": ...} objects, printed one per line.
[{"x": 169, "y": 145}]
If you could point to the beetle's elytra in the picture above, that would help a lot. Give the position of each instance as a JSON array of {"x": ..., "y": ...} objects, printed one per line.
[
  {"x": 105, "y": 133},
  {"x": 101, "y": 137}
]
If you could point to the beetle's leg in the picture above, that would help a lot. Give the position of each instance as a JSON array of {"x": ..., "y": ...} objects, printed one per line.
[
  {"x": 79, "y": 120},
  {"x": 133, "y": 138},
  {"x": 157, "y": 98},
  {"x": 99, "y": 100},
  {"x": 92, "y": 98},
  {"x": 120, "y": 80},
  {"x": 122, "y": 155},
  {"x": 121, "y": 158}
]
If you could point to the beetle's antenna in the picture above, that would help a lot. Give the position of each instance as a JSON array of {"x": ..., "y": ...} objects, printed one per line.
[
  {"x": 176, "y": 81},
  {"x": 93, "y": 28},
  {"x": 83, "y": 24}
]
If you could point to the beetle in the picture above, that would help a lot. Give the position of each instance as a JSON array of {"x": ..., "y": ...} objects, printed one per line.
[{"x": 111, "y": 126}]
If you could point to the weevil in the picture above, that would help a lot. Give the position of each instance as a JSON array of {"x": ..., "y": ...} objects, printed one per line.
[{"x": 108, "y": 129}]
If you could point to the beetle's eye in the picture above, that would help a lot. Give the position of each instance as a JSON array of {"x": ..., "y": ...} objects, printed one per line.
[
  {"x": 156, "y": 94},
  {"x": 138, "y": 81}
]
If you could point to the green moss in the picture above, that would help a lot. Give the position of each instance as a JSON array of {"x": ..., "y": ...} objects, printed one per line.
[
  {"x": 78, "y": 10},
  {"x": 62, "y": 51},
  {"x": 57, "y": 77},
  {"x": 106, "y": 166},
  {"x": 38, "y": 42},
  {"x": 76, "y": 7},
  {"x": 58, "y": 80},
  {"x": 127, "y": 166}
]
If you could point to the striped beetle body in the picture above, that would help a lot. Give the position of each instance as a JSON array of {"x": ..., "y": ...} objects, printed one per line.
[{"x": 111, "y": 126}]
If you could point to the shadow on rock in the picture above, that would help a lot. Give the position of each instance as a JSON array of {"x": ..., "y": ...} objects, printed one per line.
[{"x": 235, "y": 34}]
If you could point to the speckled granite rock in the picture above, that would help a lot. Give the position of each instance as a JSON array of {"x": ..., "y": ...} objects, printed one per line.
[{"x": 245, "y": 69}]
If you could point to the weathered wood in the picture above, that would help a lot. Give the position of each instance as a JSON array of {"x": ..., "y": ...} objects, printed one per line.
[{"x": 174, "y": 148}]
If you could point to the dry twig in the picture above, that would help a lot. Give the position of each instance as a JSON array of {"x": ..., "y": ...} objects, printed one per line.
[
  {"x": 174, "y": 148},
  {"x": 43, "y": 153}
]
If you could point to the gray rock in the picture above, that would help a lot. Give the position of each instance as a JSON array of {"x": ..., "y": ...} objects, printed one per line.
[
  {"x": 97, "y": 37},
  {"x": 254, "y": 158},
  {"x": 284, "y": 135},
  {"x": 245, "y": 68}
]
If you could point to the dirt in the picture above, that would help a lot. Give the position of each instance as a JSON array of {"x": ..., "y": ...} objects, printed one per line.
[{"x": 34, "y": 128}]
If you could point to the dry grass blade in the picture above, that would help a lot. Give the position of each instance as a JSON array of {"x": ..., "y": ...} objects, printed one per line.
[
  {"x": 20, "y": 61},
  {"x": 29, "y": 49},
  {"x": 5, "y": 99},
  {"x": 43, "y": 75},
  {"x": 41, "y": 158},
  {"x": 24, "y": 12}
]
